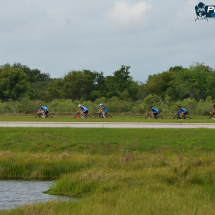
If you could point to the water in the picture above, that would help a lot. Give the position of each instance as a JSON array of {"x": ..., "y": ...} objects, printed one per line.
[{"x": 15, "y": 193}]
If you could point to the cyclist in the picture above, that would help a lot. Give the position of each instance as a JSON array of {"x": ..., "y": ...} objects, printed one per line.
[
  {"x": 181, "y": 111},
  {"x": 44, "y": 110},
  {"x": 213, "y": 112},
  {"x": 154, "y": 112},
  {"x": 104, "y": 110},
  {"x": 83, "y": 111}
]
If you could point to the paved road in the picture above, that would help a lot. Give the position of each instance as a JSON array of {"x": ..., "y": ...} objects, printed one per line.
[{"x": 107, "y": 125}]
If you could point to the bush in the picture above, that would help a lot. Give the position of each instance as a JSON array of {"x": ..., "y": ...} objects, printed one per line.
[{"x": 114, "y": 105}]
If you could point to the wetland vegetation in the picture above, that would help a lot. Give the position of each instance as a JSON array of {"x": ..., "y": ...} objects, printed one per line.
[{"x": 114, "y": 171}]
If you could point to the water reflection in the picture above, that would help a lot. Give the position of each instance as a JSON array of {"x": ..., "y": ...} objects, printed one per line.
[{"x": 15, "y": 193}]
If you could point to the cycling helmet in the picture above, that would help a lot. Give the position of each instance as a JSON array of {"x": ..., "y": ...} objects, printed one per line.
[
  {"x": 41, "y": 105},
  {"x": 213, "y": 105},
  {"x": 79, "y": 105},
  {"x": 150, "y": 106},
  {"x": 101, "y": 104},
  {"x": 179, "y": 105}
]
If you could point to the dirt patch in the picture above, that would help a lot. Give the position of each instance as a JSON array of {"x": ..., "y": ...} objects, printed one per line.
[{"x": 198, "y": 148}]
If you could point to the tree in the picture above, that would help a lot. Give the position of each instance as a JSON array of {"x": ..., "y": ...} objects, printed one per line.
[
  {"x": 110, "y": 89},
  {"x": 98, "y": 87},
  {"x": 162, "y": 84},
  {"x": 121, "y": 79},
  {"x": 78, "y": 84},
  {"x": 121, "y": 84},
  {"x": 150, "y": 78},
  {"x": 55, "y": 88},
  {"x": 33, "y": 74},
  {"x": 14, "y": 83},
  {"x": 176, "y": 68},
  {"x": 142, "y": 92},
  {"x": 194, "y": 81}
]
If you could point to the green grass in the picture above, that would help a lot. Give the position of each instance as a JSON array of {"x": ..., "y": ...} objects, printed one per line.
[
  {"x": 114, "y": 171},
  {"x": 103, "y": 140},
  {"x": 116, "y": 118},
  {"x": 134, "y": 183}
]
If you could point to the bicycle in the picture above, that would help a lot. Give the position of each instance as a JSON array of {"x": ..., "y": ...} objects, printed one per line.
[
  {"x": 179, "y": 117},
  {"x": 149, "y": 116},
  {"x": 40, "y": 115},
  {"x": 100, "y": 115},
  {"x": 78, "y": 115}
]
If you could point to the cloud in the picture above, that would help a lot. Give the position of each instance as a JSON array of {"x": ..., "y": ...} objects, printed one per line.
[
  {"x": 126, "y": 15},
  {"x": 150, "y": 36}
]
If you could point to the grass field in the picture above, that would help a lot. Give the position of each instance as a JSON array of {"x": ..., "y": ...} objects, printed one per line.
[
  {"x": 116, "y": 118},
  {"x": 114, "y": 171},
  {"x": 102, "y": 140}
]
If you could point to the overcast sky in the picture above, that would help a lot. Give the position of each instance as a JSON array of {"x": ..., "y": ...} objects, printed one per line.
[{"x": 57, "y": 36}]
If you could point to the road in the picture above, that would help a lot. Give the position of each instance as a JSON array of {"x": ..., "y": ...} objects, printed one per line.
[{"x": 106, "y": 125}]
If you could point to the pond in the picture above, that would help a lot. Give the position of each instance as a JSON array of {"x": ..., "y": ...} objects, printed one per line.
[{"x": 16, "y": 193}]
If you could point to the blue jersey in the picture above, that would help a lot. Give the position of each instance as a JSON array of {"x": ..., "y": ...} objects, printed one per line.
[
  {"x": 44, "y": 108},
  {"x": 83, "y": 108},
  {"x": 181, "y": 110},
  {"x": 155, "y": 110},
  {"x": 104, "y": 108}
]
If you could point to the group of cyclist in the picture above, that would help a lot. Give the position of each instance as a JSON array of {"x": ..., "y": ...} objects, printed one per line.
[
  {"x": 154, "y": 112},
  {"x": 181, "y": 111},
  {"x": 84, "y": 111}
]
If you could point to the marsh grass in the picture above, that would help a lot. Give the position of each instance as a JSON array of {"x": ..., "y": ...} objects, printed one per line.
[
  {"x": 114, "y": 171},
  {"x": 40, "y": 166},
  {"x": 134, "y": 184}
]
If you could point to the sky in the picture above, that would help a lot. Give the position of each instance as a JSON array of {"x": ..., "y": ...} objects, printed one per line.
[{"x": 58, "y": 36}]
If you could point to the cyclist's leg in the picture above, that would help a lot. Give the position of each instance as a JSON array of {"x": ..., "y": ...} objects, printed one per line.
[
  {"x": 155, "y": 115},
  {"x": 104, "y": 114},
  {"x": 184, "y": 113},
  {"x": 82, "y": 113},
  {"x": 43, "y": 112},
  {"x": 85, "y": 113}
]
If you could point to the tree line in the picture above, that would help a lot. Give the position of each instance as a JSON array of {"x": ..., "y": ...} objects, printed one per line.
[{"x": 18, "y": 81}]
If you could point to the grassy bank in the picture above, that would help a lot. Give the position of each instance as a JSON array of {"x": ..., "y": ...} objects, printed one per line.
[
  {"x": 137, "y": 183},
  {"x": 114, "y": 171},
  {"x": 116, "y": 118}
]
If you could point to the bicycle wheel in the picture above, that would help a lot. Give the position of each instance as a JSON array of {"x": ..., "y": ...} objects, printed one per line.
[
  {"x": 177, "y": 117},
  {"x": 40, "y": 116},
  {"x": 98, "y": 115},
  {"x": 148, "y": 117},
  {"x": 109, "y": 116},
  {"x": 187, "y": 117},
  {"x": 159, "y": 117}
]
